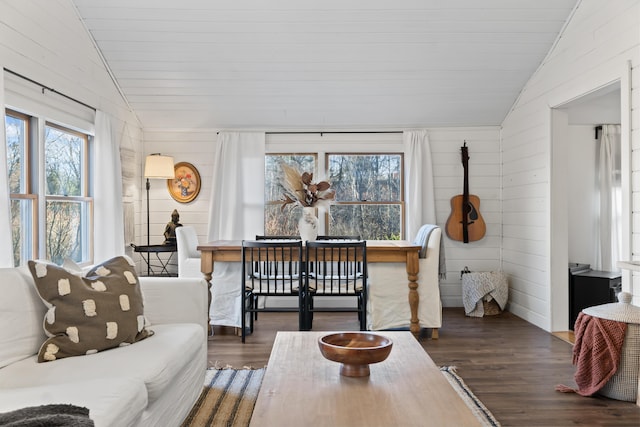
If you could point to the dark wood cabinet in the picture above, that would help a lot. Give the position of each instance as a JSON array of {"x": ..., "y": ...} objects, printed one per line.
[{"x": 591, "y": 287}]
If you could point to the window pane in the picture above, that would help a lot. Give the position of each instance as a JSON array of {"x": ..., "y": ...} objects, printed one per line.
[
  {"x": 371, "y": 178},
  {"x": 272, "y": 172},
  {"x": 63, "y": 162},
  {"x": 281, "y": 223},
  {"x": 371, "y": 222},
  {"x": 22, "y": 230},
  {"x": 16, "y": 159},
  {"x": 285, "y": 222},
  {"x": 66, "y": 231}
]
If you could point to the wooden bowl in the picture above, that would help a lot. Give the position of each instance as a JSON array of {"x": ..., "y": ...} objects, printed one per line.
[{"x": 355, "y": 351}]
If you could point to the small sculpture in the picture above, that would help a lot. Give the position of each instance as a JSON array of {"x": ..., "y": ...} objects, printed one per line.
[{"x": 170, "y": 229}]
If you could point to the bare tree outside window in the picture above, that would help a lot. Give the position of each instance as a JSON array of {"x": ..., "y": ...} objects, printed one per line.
[
  {"x": 369, "y": 194},
  {"x": 66, "y": 223},
  {"x": 67, "y": 206},
  {"x": 278, "y": 221},
  {"x": 21, "y": 202}
]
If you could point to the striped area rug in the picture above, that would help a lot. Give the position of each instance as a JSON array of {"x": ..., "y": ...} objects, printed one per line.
[
  {"x": 228, "y": 398},
  {"x": 481, "y": 412}
]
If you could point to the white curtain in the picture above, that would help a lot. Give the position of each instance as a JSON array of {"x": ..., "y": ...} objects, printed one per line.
[
  {"x": 236, "y": 209},
  {"x": 236, "y": 212},
  {"x": 420, "y": 193},
  {"x": 6, "y": 248},
  {"x": 108, "y": 207},
  {"x": 610, "y": 195}
]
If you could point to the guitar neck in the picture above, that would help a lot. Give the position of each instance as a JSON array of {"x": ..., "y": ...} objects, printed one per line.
[
  {"x": 465, "y": 189},
  {"x": 465, "y": 195}
]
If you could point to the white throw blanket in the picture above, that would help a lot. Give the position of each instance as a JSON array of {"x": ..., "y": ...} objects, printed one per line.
[
  {"x": 480, "y": 285},
  {"x": 422, "y": 239}
]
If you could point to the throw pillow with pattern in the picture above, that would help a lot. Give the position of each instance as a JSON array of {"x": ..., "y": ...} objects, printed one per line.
[{"x": 89, "y": 314}]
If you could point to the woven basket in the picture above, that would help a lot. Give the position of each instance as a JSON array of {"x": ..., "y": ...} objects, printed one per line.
[
  {"x": 623, "y": 385},
  {"x": 491, "y": 307}
]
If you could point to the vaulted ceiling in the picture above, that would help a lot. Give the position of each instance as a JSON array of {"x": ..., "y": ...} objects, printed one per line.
[{"x": 321, "y": 65}]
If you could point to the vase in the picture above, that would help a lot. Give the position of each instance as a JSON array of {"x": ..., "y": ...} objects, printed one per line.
[{"x": 308, "y": 224}]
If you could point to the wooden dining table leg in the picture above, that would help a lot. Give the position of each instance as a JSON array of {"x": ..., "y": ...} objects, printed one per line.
[
  {"x": 414, "y": 299},
  {"x": 206, "y": 267}
]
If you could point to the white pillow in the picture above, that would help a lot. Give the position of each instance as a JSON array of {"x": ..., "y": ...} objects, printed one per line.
[{"x": 21, "y": 314}]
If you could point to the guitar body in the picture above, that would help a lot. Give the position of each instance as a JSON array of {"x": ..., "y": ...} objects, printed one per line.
[
  {"x": 465, "y": 223},
  {"x": 476, "y": 227}
]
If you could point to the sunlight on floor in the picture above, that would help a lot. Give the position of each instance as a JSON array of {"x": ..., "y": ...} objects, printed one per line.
[{"x": 567, "y": 336}]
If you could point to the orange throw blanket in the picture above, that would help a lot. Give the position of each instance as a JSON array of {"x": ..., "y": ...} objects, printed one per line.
[{"x": 596, "y": 353}]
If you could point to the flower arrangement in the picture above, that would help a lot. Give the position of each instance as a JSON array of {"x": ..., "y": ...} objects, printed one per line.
[
  {"x": 300, "y": 189},
  {"x": 183, "y": 182}
]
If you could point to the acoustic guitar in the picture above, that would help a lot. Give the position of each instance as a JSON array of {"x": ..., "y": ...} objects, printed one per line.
[{"x": 465, "y": 223}]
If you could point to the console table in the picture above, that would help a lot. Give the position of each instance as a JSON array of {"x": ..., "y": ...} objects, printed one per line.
[{"x": 156, "y": 265}]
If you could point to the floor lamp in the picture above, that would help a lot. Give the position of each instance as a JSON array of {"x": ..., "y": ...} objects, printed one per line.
[{"x": 157, "y": 166}]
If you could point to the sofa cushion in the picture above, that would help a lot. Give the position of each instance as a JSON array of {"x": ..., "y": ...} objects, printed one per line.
[
  {"x": 157, "y": 362},
  {"x": 89, "y": 314},
  {"x": 111, "y": 401},
  {"x": 21, "y": 313}
]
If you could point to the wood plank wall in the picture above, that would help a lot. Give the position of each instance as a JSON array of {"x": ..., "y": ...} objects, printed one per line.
[
  {"x": 592, "y": 52},
  {"x": 197, "y": 147},
  {"x": 46, "y": 42}
]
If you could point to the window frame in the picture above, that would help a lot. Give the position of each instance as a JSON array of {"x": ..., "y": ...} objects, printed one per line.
[
  {"x": 29, "y": 192},
  {"x": 34, "y": 189},
  {"x": 84, "y": 199},
  {"x": 400, "y": 203},
  {"x": 322, "y": 163},
  {"x": 278, "y": 202}
]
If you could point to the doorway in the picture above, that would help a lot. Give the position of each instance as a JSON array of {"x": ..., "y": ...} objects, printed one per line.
[{"x": 575, "y": 212}]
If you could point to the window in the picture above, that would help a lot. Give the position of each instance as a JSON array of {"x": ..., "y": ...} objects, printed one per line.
[
  {"x": 60, "y": 190},
  {"x": 23, "y": 201},
  {"x": 278, "y": 221},
  {"x": 68, "y": 206},
  {"x": 369, "y": 193}
]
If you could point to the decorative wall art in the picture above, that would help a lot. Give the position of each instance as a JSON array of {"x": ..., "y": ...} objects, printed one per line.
[{"x": 185, "y": 187}]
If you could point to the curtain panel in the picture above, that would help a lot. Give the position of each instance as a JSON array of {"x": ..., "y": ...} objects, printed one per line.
[
  {"x": 236, "y": 212},
  {"x": 236, "y": 209},
  {"x": 419, "y": 186},
  {"x": 6, "y": 248},
  {"x": 610, "y": 195},
  {"x": 108, "y": 207}
]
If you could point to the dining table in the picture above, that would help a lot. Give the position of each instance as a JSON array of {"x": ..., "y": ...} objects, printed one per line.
[{"x": 378, "y": 251}]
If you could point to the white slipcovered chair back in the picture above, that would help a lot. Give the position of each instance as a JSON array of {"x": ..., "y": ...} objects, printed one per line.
[
  {"x": 188, "y": 254},
  {"x": 388, "y": 287}
]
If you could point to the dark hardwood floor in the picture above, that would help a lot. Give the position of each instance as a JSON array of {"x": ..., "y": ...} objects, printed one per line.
[{"x": 511, "y": 365}]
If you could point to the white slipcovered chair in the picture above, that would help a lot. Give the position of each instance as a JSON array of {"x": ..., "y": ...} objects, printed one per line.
[
  {"x": 224, "y": 309},
  {"x": 188, "y": 254},
  {"x": 388, "y": 306}
]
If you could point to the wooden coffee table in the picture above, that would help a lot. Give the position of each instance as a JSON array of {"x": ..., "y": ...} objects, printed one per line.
[{"x": 300, "y": 387}]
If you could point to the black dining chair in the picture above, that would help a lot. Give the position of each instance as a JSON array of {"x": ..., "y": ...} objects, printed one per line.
[
  {"x": 336, "y": 268},
  {"x": 321, "y": 237},
  {"x": 271, "y": 268},
  {"x": 341, "y": 237},
  {"x": 278, "y": 237}
]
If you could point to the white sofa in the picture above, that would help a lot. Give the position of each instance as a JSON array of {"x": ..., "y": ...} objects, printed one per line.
[{"x": 153, "y": 382}]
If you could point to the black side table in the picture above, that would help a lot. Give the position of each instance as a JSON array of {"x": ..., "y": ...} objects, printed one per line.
[{"x": 157, "y": 266}]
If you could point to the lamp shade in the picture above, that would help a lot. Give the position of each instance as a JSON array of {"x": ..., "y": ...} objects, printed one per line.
[{"x": 159, "y": 166}]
